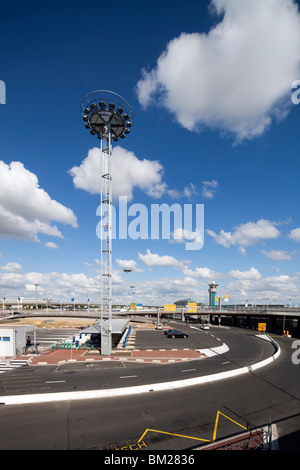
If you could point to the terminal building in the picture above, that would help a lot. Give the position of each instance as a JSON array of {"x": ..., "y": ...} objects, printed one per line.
[{"x": 22, "y": 302}]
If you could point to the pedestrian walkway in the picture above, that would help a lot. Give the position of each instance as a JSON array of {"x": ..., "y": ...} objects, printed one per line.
[
  {"x": 152, "y": 356},
  {"x": 8, "y": 365}
]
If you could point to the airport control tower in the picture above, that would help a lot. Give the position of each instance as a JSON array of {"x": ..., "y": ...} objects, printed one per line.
[{"x": 212, "y": 291}]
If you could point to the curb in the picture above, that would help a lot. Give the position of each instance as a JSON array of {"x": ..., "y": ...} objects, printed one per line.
[{"x": 138, "y": 389}]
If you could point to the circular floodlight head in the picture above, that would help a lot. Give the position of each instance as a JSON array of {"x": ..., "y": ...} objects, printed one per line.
[{"x": 104, "y": 111}]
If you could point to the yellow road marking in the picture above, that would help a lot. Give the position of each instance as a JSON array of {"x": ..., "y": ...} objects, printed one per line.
[
  {"x": 191, "y": 437},
  {"x": 172, "y": 434},
  {"x": 217, "y": 421}
]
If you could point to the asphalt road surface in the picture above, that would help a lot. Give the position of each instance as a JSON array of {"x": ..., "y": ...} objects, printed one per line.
[{"x": 271, "y": 393}]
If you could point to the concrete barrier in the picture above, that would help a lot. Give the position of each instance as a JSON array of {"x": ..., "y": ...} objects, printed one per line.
[{"x": 138, "y": 389}]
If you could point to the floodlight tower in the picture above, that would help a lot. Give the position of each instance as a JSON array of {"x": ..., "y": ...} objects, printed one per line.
[{"x": 108, "y": 116}]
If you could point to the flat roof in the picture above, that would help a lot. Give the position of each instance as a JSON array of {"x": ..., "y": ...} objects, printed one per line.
[
  {"x": 18, "y": 327},
  {"x": 118, "y": 326}
]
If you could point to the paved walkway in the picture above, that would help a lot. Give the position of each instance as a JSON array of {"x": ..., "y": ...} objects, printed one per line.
[{"x": 154, "y": 356}]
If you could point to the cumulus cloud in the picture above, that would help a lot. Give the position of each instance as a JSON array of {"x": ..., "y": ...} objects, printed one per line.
[
  {"x": 200, "y": 273},
  {"x": 25, "y": 208},
  {"x": 246, "y": 234},
  {"x": 277, "y": 255},
  {"x": 51, "y": 245},
  {"x": 253, "y": 274},
  {"x": 153, "y": 259},
  {"x": 295, "y": 235},
  {"x": 193, "y": 284},
  {"x": 128, "y": 173},
  {"x": 128, "y": 264},
  {"x": 12, "y": 267},
  {"x": 275, "y": 288},
  {"x": 209, "y": 188},
  {"x": 237, "y": 77}
]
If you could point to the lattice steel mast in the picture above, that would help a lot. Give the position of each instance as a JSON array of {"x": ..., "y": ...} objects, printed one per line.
[{"x": 107, "y": 115}]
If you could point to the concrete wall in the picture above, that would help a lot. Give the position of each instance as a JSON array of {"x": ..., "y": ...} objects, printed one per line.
[{"x": 7, "y": 342}]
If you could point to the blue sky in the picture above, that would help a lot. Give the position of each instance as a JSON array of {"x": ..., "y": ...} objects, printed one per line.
[{"x": 209, "y": 84}]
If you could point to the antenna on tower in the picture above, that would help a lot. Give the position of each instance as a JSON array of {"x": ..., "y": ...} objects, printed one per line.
[{"x": 108, "y": 116}]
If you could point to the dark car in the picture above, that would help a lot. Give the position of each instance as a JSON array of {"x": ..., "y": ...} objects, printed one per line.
[
  {"x": 177, "y": 334},
  {"x": 168, "y": 331}
]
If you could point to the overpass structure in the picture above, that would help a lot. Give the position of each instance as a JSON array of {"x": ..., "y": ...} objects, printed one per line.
[{"x": 277, "y": 318}]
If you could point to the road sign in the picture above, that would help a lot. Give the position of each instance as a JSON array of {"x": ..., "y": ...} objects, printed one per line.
[
  {"x": 170, "y": 308},
  {"x": 262, "y": 327},
  {"x": 192, "y": 307}
]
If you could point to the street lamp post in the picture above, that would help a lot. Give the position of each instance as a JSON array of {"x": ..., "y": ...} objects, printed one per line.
[
  {"x": 127, "y": 271},
  {"x": 36, "y": 286},
  {"x": 108, "y": 116}
]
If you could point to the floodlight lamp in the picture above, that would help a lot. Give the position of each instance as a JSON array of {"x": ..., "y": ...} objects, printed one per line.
[
  {"x": 111, "y": 106},
  {"x": 87, "y": 111},
  {"x": 85, "y": 118},
  {"x": 93, "y": 106},
  {"x": 126, "y": 131},
  {"x": 102, "y": 104},
  {"x": 125, "y": 116},
  {"x": 128, "y": 124},
  {"x": 120, "y": 110}
]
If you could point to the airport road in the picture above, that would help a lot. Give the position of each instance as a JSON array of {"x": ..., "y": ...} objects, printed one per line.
[
  {"x": 244, "y": 349},
  {"x": 272, "y": 392}
]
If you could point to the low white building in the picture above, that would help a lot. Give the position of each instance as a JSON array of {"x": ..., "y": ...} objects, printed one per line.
[{"x": 13, "y": 339}]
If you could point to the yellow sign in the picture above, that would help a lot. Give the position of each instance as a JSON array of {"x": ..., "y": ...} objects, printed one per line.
[
  {"x": 192, "y": 307},
  {"x": 262, "y": 327},
  {"x": 170, "y": 308}
]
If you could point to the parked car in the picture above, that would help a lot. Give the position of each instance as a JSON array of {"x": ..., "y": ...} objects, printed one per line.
[
  {"x": 177, "y": 334},
  {"x": 204, "y": 327},
  {"x": 158, "y": 327}
]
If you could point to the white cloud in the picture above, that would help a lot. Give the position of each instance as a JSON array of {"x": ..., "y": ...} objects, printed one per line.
[
  {"x": 247, "y": 234},
  {"x": 128, "y": 264},
  {"x": 193, "y": 284},
  {"x": 277, "y": 255},
  {"x": 153, "y": 259},
  {"x": 128, "y": 173},
  {"x": 275, "y": 288},
  {"x": 13, "y": 267},
  {"x": 237, "y": 77},
  {"x": 295, "y": 235},
  {"x": 202, "y": 273},
  {"x": 51, "y": 245},
  {"x": 209, "y": 188},
  {"x": 190, "y": 191},
  {"x": 253, "y": 274},
  {"x": 25, "y": 208}
]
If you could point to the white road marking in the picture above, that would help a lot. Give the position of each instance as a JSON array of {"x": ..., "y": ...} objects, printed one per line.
[{"x": 127, "y": 376}]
